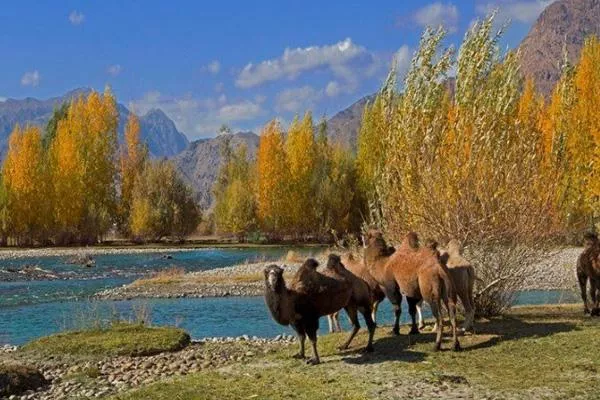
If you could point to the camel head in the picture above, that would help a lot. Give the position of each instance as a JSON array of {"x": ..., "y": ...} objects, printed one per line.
[
  {"x": 431, "y": 244},
  {"x": 310, "y": 263},
  {"x": 334, "y": 262},
  {"x": 454, "y": 247},
  {"x": 274, "y": 277},
  {"x": 590, "y": 239}
]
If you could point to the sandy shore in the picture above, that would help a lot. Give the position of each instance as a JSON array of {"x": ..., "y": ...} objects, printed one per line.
[
  {"x": 555, "y": 273},
  {"x": 12, "y": 254}
]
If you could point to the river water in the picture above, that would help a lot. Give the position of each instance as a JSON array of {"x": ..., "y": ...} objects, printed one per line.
[{"x": 31, "y": 309}]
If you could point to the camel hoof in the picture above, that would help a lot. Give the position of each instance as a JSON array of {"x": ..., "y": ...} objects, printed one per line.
[
  {"x": 414, "y": 331},
  {"x": 437, "y": 347},
  {"x": 586, "y": 311},
  {"x": 313, "y": 361},
  {"x": 342, "y": 348},
  {"x": 368, "y": 349},
  {"x": 396, "y": 331},
  {"x": 457, "y": 347},
  {"x": 299, "y": 356},
  {"x": 421, "y": 327},
  {"x": 595, "y": 312}
]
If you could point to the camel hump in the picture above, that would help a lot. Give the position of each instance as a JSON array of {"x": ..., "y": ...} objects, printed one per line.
[
  {"x": 310, "y": 263},
  {"x": 334, "y": 263},
  {"x": 410, "y": 242},
  {"x": 431, "y": 244}
]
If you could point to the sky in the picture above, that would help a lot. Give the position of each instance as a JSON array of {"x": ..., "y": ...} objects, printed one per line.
[{"x": 240, "y": 63}]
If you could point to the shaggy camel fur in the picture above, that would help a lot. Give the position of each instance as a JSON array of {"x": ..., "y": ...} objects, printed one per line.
[
  {"x": 588, "y": 267},
  {"x": 310, "y": 296},
  {"x": 421, "y": 274},
  {"x": 358, "y": 269},
  {"x": 463, "y": 277},
  {"x": 376, "y": 255}
]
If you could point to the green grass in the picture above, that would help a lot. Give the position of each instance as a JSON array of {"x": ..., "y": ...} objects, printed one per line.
[
  {"x": 118, "y": 340},
  {"x": 536, "y": 352}
]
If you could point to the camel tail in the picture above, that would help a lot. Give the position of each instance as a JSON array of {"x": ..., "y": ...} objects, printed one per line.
[{"x": 448, "y": 284}]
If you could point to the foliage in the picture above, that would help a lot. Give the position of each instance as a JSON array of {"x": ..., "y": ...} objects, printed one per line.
[{"x": 162, "y": 205}]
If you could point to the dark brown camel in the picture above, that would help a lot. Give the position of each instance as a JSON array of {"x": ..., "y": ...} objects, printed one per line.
[
  {"x": 376, "y": 256},
  {"x": 310, "y": 296},
  {"x": 588, "y": 268}
]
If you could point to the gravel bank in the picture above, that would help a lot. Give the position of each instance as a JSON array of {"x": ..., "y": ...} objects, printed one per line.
[
  {"x": 557, "y": 272},
  {"x": 73, "y": 378},
  {"x": 11, "y": 254}
]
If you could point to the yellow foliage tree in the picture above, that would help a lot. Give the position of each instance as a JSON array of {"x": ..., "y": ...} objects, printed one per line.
[
  {"x": 26, "y": 184},
  {"x": 272, "y": 181},
  {"x": 133, "y": 158}
]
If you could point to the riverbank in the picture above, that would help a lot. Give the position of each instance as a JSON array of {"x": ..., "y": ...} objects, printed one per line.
[
  {"x": 531, "y": 352},
  {"x": 555, "y": 273}
]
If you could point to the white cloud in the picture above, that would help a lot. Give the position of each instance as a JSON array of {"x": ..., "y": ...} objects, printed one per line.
[
  {"x": 436, "y": 14},
  {"x": 294, "y": 62},
  {"x": 403, "y": 58},
  {"x": 213, "y": 67},
  {"x": 31, "y": 78},
  {"x": 114, "y": 70},
  {"x": 2, "y": 99},
  {"x": 297, "y": 99},
  {"x": 333, "y": 89},
  {"x": 260, "y": 98},
  {"x": 523, "y": 11},
  {"x": 199, "y": 117},
  {"x": 76, "y": 17}
]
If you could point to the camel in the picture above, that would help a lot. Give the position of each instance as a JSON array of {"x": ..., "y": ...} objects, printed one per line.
[
  {"x": 588, "y": 268},
  {"x": 311, "y": 295},
  {"x": 463, "y": 277},
  {"x": 358, "y": 268},
  {"x": 420, "y": 274},
  {"x": 376, "y": 255}
]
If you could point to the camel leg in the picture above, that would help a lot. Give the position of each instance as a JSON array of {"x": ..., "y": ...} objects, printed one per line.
[
  {"x": 338, "y": 327},
  {"x": 469, "y": 313},
  {"x": 452, "y": 314},
  {"x": 331, "y": 323},
  {"x": 582, "y": 278},
  {"x": 371, "y": 326},
  {"x": 594, "y": 286},
  {"x": 302, "y": 339},
  {"x": 421, "y": 322},
  {"x": 436, "y": 311},
  {"x": 374, "y": 313},
  {"x": 353, "y": 315},
  {"x": 413, "y": 309},
  {"x": 311, "y": 331},
  {"x": 395, "y": 297}
]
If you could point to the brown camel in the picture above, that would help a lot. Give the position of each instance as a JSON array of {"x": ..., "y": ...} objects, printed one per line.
[
  {"x": 588, "y": 268},
  {"x": 358, "y": 268},
  {"x": 376, "y": 255},
  {"x": 463, "y": 277},
  {"x": 311, "y": 295},
  {"x": 421, "y": 274}
]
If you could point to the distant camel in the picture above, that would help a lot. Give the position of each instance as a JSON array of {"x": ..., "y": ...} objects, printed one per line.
[
  {"x": 311, "y": 295},
  {"x": 588, "y": 267}
]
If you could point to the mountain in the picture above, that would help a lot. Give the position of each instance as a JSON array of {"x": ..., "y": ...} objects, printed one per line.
[
  {"x": 199, "y": 163},
  {"x": 564, "y": 25},
  {"x": 344, "y": 126},
  {"x": 156, "y": 129}
]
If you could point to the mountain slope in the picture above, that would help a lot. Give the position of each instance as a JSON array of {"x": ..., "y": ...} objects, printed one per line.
[
  {"x": 199, "y": 163},
  {"x": 565, "y": 24},
  {"x": 157, "y": 130},
  {"x": 344, "y": 126}
]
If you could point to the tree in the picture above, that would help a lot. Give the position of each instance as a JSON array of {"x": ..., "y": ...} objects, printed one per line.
[
  {"x": 26, "y": 184},
  {"x": 272, "y": 186},
  {"x": 162, "y": 205},
  {"x": 133, "y": 158},
  {"x": 235, "y": 208},
  {"x": 301, "y": 158},
  {"x": 58, "y": 114}
]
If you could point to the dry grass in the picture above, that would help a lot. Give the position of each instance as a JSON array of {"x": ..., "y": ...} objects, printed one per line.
[{"x": 165, "y": 277}]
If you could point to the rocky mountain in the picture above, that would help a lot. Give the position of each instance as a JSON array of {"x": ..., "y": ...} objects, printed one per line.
[
  {"x": 157, "y": 130},
  {"x": 564, "y": 25},
  {"x": 344, "y": 126},
  {"x": 199, "y": 163}
]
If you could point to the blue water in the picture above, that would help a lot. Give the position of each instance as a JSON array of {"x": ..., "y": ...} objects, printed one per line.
[{"x": 29, "y": 310}]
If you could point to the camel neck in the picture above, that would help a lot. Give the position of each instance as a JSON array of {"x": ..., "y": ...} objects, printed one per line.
[{"x": 279, "y": 303}]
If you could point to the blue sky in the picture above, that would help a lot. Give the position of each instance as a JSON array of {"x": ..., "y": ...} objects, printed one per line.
[{"x": 240, "y": 63}]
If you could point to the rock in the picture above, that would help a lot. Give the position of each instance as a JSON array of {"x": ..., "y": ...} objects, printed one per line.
[{"x": 18, "y": 379}]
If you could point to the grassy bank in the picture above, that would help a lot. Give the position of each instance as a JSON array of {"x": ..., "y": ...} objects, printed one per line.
[{"x": 533, "y": 352}]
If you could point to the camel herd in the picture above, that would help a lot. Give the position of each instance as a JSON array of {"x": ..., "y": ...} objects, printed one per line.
[{"x": 418, "y": 273}]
